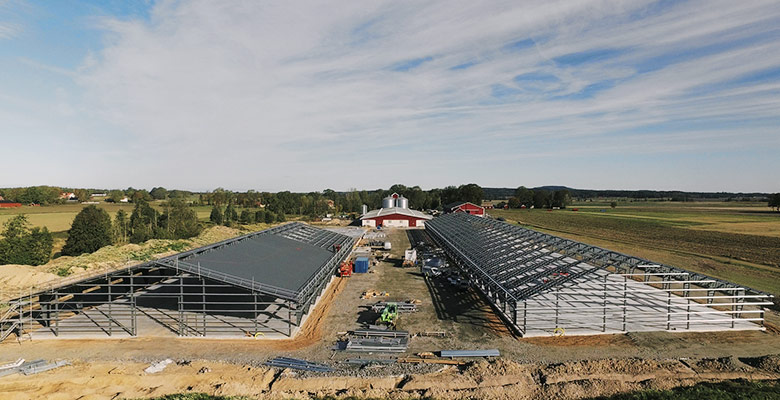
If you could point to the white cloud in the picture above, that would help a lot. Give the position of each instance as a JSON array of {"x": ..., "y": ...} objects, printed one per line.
[{"x": 302, "y": 96}]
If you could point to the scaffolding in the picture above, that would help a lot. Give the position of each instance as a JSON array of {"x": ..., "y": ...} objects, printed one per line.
[
  {"x": 542, "y": 284},
  {"x": 178, "y": 295}
]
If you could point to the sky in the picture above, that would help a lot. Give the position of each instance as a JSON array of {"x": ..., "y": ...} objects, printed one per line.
[{"x": 304, "y": 96}]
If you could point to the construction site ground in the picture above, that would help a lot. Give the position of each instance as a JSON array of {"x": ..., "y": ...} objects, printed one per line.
[{"x": 567, "y": 367}]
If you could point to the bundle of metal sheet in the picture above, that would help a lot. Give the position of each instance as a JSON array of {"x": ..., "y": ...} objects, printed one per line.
[
  {"x": 31, "y": 367},
  {"x": 470, "y": 353},
  {"x": 379, "y": 333},
  {"x": 294, "y": 363},
  {"x": 14, "y": 364},
  {"x": 402, "y": 307},
  {"x": 367, "y": 361},
  {"x": 41, "y": 367},
  {"x": 378, "y": 344}
]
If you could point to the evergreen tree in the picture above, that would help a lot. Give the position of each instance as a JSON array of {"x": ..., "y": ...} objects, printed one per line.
[
  {"x": 121, "y": 227},
  {"x": 22, "y": 245},
  {"x": 216, "y": 215},
  {"x": 260, "y": 216},
  {"x": 280, "y": 217},
  {"x": 269, "y": 217},
  {"x": 247, "y": 217},
  {"x": 91, "y": 230},
  {"x": 230, "y": 215},
  {"x": 38, "y": 246}
]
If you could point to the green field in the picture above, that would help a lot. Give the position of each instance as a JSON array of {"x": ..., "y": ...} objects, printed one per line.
[
  {"x": 57, "y": 218},
  {"x": 739, "y": 242}
]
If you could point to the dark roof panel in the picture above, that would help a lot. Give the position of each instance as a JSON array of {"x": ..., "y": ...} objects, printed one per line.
[{"x": 270, "y": 259}]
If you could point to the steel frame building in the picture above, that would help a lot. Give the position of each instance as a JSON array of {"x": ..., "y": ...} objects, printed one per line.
[
  {"x": 259, "y": 284},
  {"x": 543, "y": 284}
]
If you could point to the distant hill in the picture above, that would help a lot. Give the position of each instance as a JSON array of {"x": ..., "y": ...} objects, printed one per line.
[{"x": 505, "y": 193}]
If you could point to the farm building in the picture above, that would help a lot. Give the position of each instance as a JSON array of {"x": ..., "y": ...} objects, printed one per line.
[
  {"x": 542, "y": 284},
  {"x": 465, "y": 207},
  {"x": 395, "y": 213},
  {"x": 261, "y": 284},
  {"x": 9, "y": 204}
]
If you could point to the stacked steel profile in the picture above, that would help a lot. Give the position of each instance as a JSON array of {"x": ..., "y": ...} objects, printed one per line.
[
  {"x": 378, "y": 341},
  {"x": 543, "y": 284}
]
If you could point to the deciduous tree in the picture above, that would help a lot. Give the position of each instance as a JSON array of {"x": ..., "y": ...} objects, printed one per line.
[
  {"x": 143, "y": 222},
  {"x": 159, "y": 193},
  {"x": 524, "y": 196},
  {"x": 180, "y": 220},
  {"x": 774, "y": 201}
]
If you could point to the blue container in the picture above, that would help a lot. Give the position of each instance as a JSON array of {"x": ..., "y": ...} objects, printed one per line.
[{"x": 361, "y": 265}]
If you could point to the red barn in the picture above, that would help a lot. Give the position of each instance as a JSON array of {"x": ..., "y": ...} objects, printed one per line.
[
  {"x": 9, "y": 204},
  {"x": 465, "y": 207},
  {"x": 395, "y": 217}
]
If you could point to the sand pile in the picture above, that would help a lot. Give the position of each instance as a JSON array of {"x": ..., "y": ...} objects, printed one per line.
[{"x": 14, "y": 278}]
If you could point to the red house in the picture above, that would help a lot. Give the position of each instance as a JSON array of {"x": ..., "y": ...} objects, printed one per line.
[{"x": 465, "y": 207}]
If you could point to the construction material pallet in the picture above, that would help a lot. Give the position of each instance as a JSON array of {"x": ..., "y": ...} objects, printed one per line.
[
  {"x": 380, "y": 333},
  {"x": 378, "y": 344}
]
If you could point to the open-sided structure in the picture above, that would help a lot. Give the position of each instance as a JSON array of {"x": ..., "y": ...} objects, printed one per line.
[
  {"x": 260, "y": 284},
  {"x": 543, "y": 284}
]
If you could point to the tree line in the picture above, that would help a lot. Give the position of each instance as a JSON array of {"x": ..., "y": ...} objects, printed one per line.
[
  {"x": 669, "y": 195},
  {"x": 538, "y": 198},
  {"x": 47, "y": 195},
  {"x": 319, "y": 203},
  {"x": 93, "y": 228},
  {"x": 230, "y": 216}
]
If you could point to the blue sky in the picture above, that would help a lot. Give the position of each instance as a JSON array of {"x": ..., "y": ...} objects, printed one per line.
[{"x": 305, "y": 96}]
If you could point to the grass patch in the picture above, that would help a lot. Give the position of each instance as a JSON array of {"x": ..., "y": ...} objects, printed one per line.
[
  {"x": 727, "y": 390},
  {"x": 148, "y": 253}
]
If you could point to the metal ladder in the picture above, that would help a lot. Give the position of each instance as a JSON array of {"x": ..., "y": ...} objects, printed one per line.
[{"x": 8, "y": 321}]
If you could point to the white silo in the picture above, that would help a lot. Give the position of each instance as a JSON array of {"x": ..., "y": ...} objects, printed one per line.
[
  {"x": 402, "y": 202},
  {"x": 388, "y": 202},
  {"x": 365, "y": 209}
]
